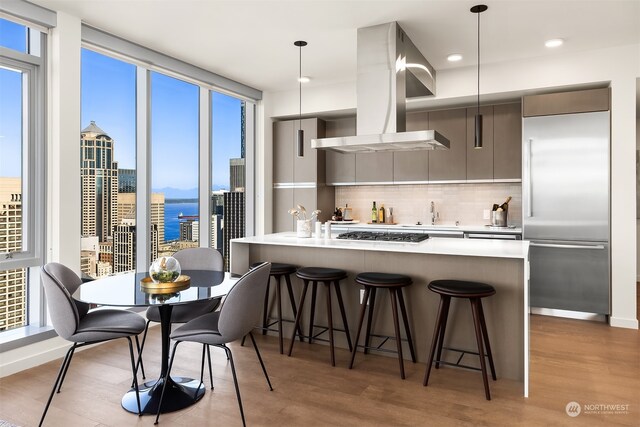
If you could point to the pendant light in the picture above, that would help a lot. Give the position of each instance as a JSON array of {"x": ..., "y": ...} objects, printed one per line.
[
  {"x": 477, "y": 142},
  {"x": 300, "y": 133}
]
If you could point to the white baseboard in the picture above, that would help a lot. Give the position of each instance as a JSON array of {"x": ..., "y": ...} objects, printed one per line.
[{"x": 619, "y": 322}]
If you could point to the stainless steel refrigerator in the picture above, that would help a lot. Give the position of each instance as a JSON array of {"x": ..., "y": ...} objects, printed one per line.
[{"x": 565, "y": 205}]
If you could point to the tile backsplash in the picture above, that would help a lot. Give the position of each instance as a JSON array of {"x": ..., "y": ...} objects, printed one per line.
[{"x": 453, "y": 202}]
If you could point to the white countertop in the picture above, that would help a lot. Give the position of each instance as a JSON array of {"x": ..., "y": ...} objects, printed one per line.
[
  {"x": 427, "y": 227},
  {"x": 490, "y": 248}
]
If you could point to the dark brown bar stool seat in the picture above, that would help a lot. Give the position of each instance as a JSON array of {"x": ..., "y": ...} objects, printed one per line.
[
  {"x": 328, "y": 277},
  {"x": 394, "y": 283},
  {"x": 474, "y": 291},
  {"x": 278, "y": 271}
]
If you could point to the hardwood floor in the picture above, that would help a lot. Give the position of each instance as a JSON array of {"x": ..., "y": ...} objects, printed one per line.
[{"x": 589, "y": 363}]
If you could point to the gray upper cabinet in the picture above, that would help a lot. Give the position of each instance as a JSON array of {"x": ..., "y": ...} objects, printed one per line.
[
  {"x": 480, "y": 160},
  {"x": 374, "y": 167},
  {"x": 283, "y": 151},
  {"x": 579, "y": 101},
  {"x": 305, "y": 168},
  {"x": 451, "y": 164},
  {"x": 340, "y": 167},
  {"x": 412, "y": 165},
  {"x": 507, "y": 141}
]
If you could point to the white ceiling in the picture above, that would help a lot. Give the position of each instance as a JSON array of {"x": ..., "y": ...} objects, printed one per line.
[{"x": 252, "y": 41}]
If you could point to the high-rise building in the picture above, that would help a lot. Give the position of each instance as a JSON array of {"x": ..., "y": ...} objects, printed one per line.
[
  {"x": 124, "y": 245},
  {"x": 99, "y": 175},
  {"x": 237, "y": 174},
  {"x": 189, "y": 231},
  {"x": 13, "y": 289},
  {"x": 126, "y": 180},
  {"x": 234, "y": 221},
  {"x": 217, "y": 202},
  {"x": 216, "y": 232},
  {"x": 89, "y": 255},
  {"x": 127, "y": 209}
]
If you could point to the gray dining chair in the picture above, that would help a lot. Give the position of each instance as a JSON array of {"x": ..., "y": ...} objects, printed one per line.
[
  {"x": 72, "y": 321},
  {"x": 189, "y": 259},
  {"x": 240, "y": 311}
]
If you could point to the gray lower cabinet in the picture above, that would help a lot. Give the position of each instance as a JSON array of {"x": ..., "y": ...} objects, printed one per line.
[
  {"x": 451, "y": 164},
  {"x": 507, "y": 141},
  {"x": 374, "y": 167},
  {"x": 480, "y": 160},
  {"x": 282, "y": 202}
]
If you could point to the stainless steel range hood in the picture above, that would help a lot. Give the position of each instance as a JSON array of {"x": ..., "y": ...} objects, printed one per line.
[{"x": 390, "y": 70}]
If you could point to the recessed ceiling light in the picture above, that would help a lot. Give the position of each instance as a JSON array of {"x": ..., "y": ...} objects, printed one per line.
[
  {"x": 454, "y": 57},
  {"x": 304, "y": 79},
  {"x": 554, "y": 43}
]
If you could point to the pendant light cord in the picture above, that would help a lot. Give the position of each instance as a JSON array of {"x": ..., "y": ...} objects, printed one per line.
[
  {"x": 478, "y": 106},
  {"x": 300, "y": 86}
]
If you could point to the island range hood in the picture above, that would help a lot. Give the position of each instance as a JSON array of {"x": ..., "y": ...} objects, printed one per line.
[{"x": 390, "y": 70}]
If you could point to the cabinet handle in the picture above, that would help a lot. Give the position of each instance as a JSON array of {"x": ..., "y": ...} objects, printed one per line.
[{"x": 562, "y": 246}]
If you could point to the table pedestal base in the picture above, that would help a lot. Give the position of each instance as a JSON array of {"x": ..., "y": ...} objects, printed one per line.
[{"x": 179, "y": 394}]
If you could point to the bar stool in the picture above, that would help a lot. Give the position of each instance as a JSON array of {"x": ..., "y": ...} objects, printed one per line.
[
  {"x": 329, "y": 277},
  {"x": 278, "y": 271},
  {"x": 394, "y": 283},
  {"x": 474, "y": 292}
]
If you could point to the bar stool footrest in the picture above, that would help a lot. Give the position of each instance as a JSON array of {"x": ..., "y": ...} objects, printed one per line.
[{"x": 457, "y": 363}]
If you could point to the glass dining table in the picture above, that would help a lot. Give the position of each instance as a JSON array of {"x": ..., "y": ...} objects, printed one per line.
[{"x": 125, "y": 290}]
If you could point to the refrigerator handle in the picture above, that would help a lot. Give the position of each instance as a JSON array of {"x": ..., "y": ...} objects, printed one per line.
[
  {"x": 527, "y": 171},
  {"x": 565, "y": 246}
]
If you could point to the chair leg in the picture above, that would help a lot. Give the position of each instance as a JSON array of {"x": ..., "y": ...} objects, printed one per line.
[
  {"x": 235, "y": 382},
  {"x": 166, "y": 380},
  {"x": 483, "y": 324},
  {"x": 279, "y": 311},
  {"x": 66, "y": 368},
  {"x": 287, "y": 280},
  {"x": 296, "y": 326},
  {"x": 443, "y": 327},
  {"x": 144, "y": 339},
  {"x": 343, "y": 314},
  {"x": 265, "y": 309},
  {"x": 264, "y": 370},
  {"x": 55, "y": 384},
  {"x": 134, "y": 372},
  {"x": 367, "y": 337},
  {"x": 330, "y": 323},
  {"x": 204, "y": 351},
  {"x": 363, "y": 309},
  {"x": 210, "y": 370},
  {"x": 478, "y": 329},
  {"x": 405, "y": 319},
  {"x": 434, "y": 342},
  {"x": 139, "y": 348},
  {"x": 314, "y": 290},
  {"x": 396, "y": 326}
]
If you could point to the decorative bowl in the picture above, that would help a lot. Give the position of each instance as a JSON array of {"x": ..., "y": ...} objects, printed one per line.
[{"x": 165, "y": 270}]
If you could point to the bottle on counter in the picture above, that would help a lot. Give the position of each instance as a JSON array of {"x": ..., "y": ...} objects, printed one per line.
[
  {"x": 504, "y": 206},
  {"x": 381, "y": 214},
  {"x": 374, "y": 214}
]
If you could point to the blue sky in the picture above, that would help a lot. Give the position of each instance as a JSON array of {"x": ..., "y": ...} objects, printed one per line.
[
  {"x": 108, "y": 95},
  {"x": 12, "y": 36}
]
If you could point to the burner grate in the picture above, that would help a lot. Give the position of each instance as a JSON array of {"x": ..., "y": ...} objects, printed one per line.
[{"x": 384, "y": 236}]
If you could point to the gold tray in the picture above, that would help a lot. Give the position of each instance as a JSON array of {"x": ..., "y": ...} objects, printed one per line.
[{"x": 181, "y": 283}]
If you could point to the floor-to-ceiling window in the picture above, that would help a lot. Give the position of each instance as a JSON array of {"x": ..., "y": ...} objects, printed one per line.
[
  {"x": 174, "y": 164},
  {"x": 228, "y": 159},
  {"x": 107, "y": 165},
  {"x": 21, "y": 178}
]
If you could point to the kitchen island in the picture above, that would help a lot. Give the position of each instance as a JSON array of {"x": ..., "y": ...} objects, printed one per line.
[{"x": 503, "y": 264}]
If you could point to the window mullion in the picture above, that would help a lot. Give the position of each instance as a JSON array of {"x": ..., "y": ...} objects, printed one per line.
[
  {"x": 143, "y": 167},
  {"x": 204, "y": 176}
]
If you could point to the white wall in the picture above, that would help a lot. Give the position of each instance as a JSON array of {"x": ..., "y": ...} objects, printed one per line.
[{"x": 618, "y": 65}]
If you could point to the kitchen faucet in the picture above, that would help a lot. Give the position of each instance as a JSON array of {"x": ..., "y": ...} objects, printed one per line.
[{"x": 434, "y": 214}]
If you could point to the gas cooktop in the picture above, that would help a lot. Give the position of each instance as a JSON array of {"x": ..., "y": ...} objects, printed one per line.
[{"x": 385, "y": 237}]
